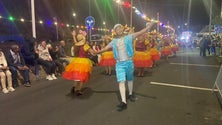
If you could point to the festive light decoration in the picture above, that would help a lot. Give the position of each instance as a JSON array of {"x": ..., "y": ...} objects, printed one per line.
[
  {"x": 22, "y": 20},
  {"x": 41, "y": 22},
  {"x": 51, "y": 23},
  {"x": 127, "y": 4},
  {"x": 11, "y": 18},
  {"x": 143, "y": 16}
]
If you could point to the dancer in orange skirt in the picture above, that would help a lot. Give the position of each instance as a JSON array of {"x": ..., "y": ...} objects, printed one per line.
[
  {"x": 155, "y": 54},
  {"x": 166, "y": 49},
  {"x": 80, "y": 68},
  {"x": 174, "y": 46},
  {"x": 142, "y": 58},
  {"x": 107, "y": 58}
]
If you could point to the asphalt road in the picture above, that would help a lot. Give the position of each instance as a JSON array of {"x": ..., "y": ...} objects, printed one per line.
[{"x": 174, "y": 93}]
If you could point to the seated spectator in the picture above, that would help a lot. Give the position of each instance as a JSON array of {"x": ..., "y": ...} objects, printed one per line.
[
  {"x": 4, "y": 72},
  {"x": 46, "y": 60},
  {"x": 16, "y": 63},
  {"x": 62, "y": 53},
  {"x": 54, "y": 52},
  {"x": 30, "y": 55}
]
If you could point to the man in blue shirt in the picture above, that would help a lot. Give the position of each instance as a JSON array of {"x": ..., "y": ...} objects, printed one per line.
[{"x": 122, "y": 47}]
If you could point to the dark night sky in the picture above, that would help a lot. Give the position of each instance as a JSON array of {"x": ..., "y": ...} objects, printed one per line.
[{"x": 174, "y": 11}]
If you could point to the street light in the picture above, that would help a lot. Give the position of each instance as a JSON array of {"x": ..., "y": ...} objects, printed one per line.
[
  {"x": 131, "y": 14},
  {"x": 104, "y": 23},
  {"x": 188, "y": 15},
  {"x": 210, "y": 20},
  {"x": 41, "y": 22},
  {"x": 118, "y": 1},
  {"x": 57, "y": 28},
  {"x": 22, "y": 20},
  {"x": 33, "y": 18}
]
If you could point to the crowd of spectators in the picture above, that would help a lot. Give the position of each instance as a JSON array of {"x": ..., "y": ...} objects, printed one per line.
[
  {"x": 23, "y": 59},
  {"x": 210, "y": 45}
]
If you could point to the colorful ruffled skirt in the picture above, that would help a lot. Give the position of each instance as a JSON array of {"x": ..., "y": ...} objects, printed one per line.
[
  {"x": 142, "y": 59},
  {"x": 78, "y": 70},
  {"x": 174, "y": 48},
  {"x": 155, "y": 54},
  {"x": 107, "y": 59},
  {"x": 166, "y": 51}
]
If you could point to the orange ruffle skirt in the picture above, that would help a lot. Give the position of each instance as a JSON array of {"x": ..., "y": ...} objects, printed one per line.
[
  {"x": 166, "y": 51},
  {"x": 107, "y": 59},
  {"x": 174, "y": 48},
  {"x": 78, "y": 70},
  {"x": 142, "y": 59},
  {"x": 155, "y": 54}
]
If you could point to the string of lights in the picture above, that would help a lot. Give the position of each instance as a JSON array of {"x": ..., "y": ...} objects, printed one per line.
[
  {"x": 143, "y": 16},
  {"x": 50, "y": 23}
]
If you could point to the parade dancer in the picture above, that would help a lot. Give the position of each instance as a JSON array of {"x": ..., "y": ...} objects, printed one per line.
[
  {"x": 154, "y": 52},
  {"x": 80, "y": 68},
  {"x": 123, "y": 53},
  {"x": 107, "y": 58},
  {"x": 174, "y": 46},
  {"x": 166, "y": 48},
  {"x": 142, "y": 58}
]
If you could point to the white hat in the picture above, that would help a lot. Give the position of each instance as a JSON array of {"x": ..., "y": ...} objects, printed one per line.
[{"x": 117, "y": 25}]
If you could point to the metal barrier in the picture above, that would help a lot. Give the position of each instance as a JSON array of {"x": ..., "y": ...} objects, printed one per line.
[{"x": 218, "y": 82}]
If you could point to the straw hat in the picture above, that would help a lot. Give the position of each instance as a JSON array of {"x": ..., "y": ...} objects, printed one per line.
[{"x": 81, "y": 40}]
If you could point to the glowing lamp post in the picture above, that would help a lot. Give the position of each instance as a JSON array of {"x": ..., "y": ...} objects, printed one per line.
[{"x": 33, "y": 18}]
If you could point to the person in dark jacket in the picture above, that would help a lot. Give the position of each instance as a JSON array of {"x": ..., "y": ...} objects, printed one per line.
[
  {"x": 54, "y": 52},
  {"x": 62, "y": 56},
  {"x": 16, "y": 63},
  {"x": 30, "y": 54}
]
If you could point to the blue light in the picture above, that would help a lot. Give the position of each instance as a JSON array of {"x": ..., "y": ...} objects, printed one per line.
[
  {"x": 49, "y": 22},
  {"x": 162, "y": 25}
]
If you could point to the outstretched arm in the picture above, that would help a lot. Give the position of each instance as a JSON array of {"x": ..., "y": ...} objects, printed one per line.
[
  {"x": 106, "y": 48},
  {"x": 92, "y": 52},
  {"x": 136, "y": 34}
]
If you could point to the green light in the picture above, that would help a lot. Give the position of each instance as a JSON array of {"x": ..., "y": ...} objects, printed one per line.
[{"x": 11, "y": 18}]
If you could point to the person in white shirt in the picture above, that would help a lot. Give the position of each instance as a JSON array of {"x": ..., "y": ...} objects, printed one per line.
[
  {"x": 5, "y": 73},
  {"x": 46, "y": 60}
]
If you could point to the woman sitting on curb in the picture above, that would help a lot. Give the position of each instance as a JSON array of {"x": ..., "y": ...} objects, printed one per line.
[{"x": 4, "y": 72}]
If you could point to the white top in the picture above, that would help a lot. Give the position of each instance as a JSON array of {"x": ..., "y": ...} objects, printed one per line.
[
  {"x": 72, "y": 51},
  {"x": 3, "y": 60},
  {"x": 44, "y": 53},
  {"x": 121, "y": 49}
]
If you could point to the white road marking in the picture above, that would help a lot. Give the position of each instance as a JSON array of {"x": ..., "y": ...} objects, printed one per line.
[
  {"x": 182, "y": 86},
  {"x": 194, "y": 64}
]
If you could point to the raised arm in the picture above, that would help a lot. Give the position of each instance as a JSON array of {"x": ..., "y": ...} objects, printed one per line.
[
  {"x": 136, "y": 34},
  {"x": 74, "y": 36}
]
